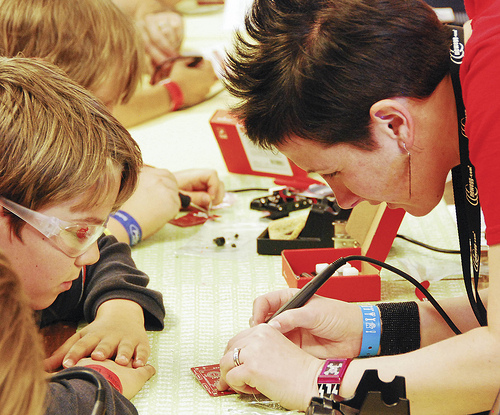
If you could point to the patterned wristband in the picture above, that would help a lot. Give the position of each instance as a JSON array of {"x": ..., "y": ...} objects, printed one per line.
[
  {"x": 110, "y": 376},
  {"x": 371, "y": 331},
  {"x": 400, "y": 327},
  {"x": 175, "y": 92},
  {"x": 133, "y": 229},
  {"x": 331, "y": 376}
]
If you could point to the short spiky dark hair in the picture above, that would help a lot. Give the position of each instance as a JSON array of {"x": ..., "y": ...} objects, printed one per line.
[{"x": 313, "y": 68}]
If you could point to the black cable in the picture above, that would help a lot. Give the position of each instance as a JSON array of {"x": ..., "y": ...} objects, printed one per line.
[
  {"x": 88, "y": 375},
  {"x": 308, "y": 290},
  {"x": 249, "y": 189},
  {"x": 417, "y": 284},
  {"x": 424, "y": 245}
]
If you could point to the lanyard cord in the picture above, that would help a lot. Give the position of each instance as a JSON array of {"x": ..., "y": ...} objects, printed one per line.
[{"x": 467, "y": 206}]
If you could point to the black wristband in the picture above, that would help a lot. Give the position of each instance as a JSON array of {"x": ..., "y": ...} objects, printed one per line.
[{"x": 400, "y": 327}]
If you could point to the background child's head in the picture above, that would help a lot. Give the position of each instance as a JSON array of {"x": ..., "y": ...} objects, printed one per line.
[
  {"x": 95, "y": 43},
  {"x": 22, "y": 378},
  {"x": 58, "y": 142}
]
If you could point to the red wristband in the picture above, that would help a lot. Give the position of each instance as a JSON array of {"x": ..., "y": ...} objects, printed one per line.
[
  {"x": 331, "y": 376},
  {"x": 109, "y": 375},
  {"x": 175, "y": 92}
]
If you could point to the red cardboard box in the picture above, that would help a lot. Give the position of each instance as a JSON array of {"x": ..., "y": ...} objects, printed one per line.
[
  {"x": 243, "y": 157},
  {"x": 374, "y": 227}
]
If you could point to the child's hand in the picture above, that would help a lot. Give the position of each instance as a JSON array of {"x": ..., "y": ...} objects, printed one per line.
[
  {"x": 154, "y": 202},
  {"x": 202, "y": 185},
  {"x": 132, "y": 379},
  {"x": 117, "y": 332}
]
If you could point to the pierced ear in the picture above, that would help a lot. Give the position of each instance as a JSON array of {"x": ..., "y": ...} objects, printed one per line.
[{"x": 391, "y": 117}]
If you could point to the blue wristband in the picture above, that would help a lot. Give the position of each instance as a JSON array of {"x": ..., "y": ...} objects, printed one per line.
[
  {"x": 133, "y": 229},
  {"x": 371, "y": 331}
]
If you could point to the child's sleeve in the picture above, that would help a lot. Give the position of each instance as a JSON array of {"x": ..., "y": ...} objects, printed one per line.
[
  {"x": 73, "y": 396},
  {"x": 116, "y": 276}
]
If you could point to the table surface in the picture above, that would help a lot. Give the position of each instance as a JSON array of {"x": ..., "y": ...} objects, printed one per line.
[{"x": 208, "y": 291}]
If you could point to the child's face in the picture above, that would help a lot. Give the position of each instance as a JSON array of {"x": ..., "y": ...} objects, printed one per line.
[
  {"x": 43, "y": 268},
  {"x": 109, "y": 92}
]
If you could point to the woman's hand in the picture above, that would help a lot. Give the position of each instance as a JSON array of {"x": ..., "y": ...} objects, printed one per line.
[
  {"x": 323, "y": 327},
  {"x": 272, "y": 365}
]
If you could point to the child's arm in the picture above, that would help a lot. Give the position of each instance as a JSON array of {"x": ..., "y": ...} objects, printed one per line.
[
  {"x": 71, "y": 393},
  {"x": 154, "y": 203},
  {"x": 152, "y": 101},
  {"x": 119, "y": 308}
]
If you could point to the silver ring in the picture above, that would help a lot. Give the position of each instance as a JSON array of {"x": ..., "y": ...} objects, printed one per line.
[{"x": 236, "y": 356}]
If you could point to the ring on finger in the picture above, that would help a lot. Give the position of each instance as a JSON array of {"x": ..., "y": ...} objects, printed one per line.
[{"x": 236, "y": 356}]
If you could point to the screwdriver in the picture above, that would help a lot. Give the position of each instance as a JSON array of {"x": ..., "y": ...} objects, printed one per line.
[{"x": 186, "y": 202}]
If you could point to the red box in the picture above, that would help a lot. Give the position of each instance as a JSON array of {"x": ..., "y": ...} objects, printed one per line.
[
  {"x": 374, "y": 227},
  {"x": 243, "y": 157}
]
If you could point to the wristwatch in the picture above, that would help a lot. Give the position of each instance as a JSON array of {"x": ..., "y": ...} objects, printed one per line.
[{"x": 331, "y": 376}]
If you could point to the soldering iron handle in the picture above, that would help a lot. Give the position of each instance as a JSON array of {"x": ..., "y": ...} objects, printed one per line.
[
  {"x": 185, "y": 200},
  {"x": 308, "y": 290}
]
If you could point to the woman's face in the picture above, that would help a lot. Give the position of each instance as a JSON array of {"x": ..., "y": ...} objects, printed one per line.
[{"x": 375, "y": 176}]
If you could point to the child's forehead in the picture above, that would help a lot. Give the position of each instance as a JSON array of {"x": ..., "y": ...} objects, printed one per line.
[{"x": 97, "y": 200}]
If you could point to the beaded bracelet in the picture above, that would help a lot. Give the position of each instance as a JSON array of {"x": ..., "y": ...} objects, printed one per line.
[
  {"x": 370, "y": 343},
  {"x": 175, "y": 92},
  {"x": 400, "y": 327},
  {"x": 133, "y": 229}
]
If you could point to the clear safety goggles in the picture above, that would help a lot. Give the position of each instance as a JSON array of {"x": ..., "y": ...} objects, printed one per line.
[{"x": 72, "y": 238}]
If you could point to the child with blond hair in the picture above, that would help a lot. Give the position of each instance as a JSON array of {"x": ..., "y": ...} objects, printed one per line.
[
  {"x": 66, "y": 164},
  {"x": 98, "y": 46}
]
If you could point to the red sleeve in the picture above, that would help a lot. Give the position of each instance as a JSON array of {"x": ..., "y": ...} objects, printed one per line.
[{"x": 481, "y": 92}]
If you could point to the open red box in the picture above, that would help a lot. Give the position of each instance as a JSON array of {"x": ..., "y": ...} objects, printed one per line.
[
  {"x": 243, "y": 157},
  {"x": 374, "y": 227}
]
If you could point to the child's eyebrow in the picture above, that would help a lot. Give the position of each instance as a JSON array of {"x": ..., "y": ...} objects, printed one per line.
[{"x": 90, "y": 220}]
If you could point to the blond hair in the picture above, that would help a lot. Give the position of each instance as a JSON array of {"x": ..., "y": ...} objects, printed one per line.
[
  {"x": 22, "y": 378},
  {"x": 57, "y": 141},
  {"x": 91, "y": 40}
]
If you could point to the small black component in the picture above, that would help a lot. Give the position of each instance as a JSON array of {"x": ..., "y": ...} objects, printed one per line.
[
  {"x": 281, "y": 203},
  {"x": 233, "y": 245},
  {"x": 185, "y": 200},
  {"x": 220, "y": 241}
]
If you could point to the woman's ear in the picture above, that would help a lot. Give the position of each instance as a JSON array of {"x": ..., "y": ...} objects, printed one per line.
[{"x": 393, "y": 119}]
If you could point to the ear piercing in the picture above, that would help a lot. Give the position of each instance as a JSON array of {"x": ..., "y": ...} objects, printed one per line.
[{"x": 409, "y": 168}]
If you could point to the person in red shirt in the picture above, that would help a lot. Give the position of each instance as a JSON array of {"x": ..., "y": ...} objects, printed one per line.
[{"x": 363, "y": 92}]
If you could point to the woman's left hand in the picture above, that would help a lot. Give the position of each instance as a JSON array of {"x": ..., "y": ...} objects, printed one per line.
[{"x": 272, "y": 365}]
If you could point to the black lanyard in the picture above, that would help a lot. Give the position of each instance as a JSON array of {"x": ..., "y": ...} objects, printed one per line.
[{"x": 466, "y": 196}]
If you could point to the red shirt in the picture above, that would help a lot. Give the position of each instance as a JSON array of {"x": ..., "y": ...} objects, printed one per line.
[{"x": 480, "y": 79}]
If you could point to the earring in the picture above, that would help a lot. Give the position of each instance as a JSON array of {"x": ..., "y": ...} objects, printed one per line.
[{"x": 409, "y": 168}]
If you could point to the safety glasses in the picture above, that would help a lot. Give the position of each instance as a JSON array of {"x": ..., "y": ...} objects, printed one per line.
[{"x": 71, "y": 238}]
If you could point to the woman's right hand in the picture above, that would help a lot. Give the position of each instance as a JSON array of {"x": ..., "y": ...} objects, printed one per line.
[{"x": 323, "y": 327}]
